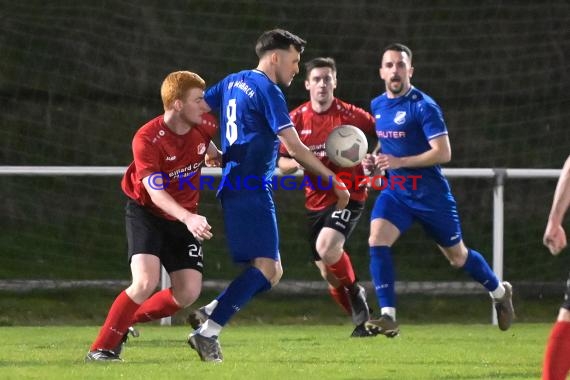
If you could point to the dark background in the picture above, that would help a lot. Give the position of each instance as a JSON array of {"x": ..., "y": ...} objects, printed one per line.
[{"x": 77, "y": 79}]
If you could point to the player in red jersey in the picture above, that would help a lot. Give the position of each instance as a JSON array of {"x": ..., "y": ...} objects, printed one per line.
[
  {"x": 162, "y": 223},
  {"x": 556, "y": 365},
  {"x": 329, "y": 228}
]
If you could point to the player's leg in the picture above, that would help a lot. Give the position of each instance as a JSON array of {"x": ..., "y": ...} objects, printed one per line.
[
  {"x": 556, "y": 365},
  {"x": 472, "y": 262},
  {"x": 477, "y": 267},
  {"x": 441, "y": 222},
  {"x": 144, "y": 239},
  {"x": 200, "y": 315},
  {"x": 145, "y": 269},
  {"x": 389, "y": 219},
  {"x": 330, "y": 245},
  {"x": 337, "y": 291},
  {"x": 185, "y": 289},
  {"x": 181, "y": 255},
  {"x": 337, "y": 227},
  {"x": 251, "y": 230},
  {"x": 316, "y": 221},
  {"x": 255, "y": 279},
  {"x": 337, "y": 262}
]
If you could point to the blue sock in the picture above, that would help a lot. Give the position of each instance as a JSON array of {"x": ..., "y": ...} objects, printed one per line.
[
  {"x": 219, "y": 297},
  {"x": 383, "y": 277},
  {"x": 238, "y": 293},
  {"x": 480, "y": 271}
]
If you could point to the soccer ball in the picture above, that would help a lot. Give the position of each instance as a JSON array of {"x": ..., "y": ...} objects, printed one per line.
[{"x": 346, "y": 146}]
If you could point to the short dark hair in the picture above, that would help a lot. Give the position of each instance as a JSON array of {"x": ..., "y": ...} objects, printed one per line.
[
  {"x": 320, "y": 62},
  {"x": 278, "y": 39},
  {"x": 397, "y": 47}
]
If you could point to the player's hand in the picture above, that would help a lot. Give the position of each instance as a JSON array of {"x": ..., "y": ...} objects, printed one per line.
[
  {"x": 198, "y": 226},
  {"x": 387, "y": 161},
  {"x": 368, "y": 164},
  {"x": 341, "y": 193},
  {"x": 289, "y": 165},
  {"x": 213, "y": 161},
  {"x": 554, "y": 238}
]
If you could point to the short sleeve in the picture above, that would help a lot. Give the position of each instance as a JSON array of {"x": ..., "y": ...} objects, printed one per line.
[
  {"x": 146, "y": 156},
  {"x": 275, "y": 109},
  {"x": 432, "y": 120},
  {"x": 213, "y": 96}
]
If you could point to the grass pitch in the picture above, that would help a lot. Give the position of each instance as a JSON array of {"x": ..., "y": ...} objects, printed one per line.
[{"x": 271, "y": 352}]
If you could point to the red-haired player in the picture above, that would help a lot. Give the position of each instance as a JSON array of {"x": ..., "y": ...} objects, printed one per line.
[{"x": 162, "y": 223}]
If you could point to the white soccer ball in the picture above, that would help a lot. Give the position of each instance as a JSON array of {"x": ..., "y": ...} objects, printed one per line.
[{"x": 346, "y": 146}]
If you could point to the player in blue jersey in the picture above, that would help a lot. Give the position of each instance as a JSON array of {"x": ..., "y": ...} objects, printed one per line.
[
  {"x": 254, "y": 119},
  {"x": 414, "y": 141}
]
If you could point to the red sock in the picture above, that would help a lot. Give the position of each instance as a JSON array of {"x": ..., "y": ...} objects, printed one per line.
[
  {"x": 341, "y": 298},
  {"x": 557, "y": 355},
  {"x": 160, "y": 305},
  {"x": 342, "y": 270},
  {"x": 117, "y": 322}
]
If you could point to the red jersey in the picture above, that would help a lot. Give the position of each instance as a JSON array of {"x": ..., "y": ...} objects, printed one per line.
[
  {"x": 157, "y": 149},
  {"x": 313, "y": 129}
]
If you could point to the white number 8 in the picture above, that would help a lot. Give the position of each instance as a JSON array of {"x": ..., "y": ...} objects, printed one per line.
[{"x": 231, "y": 126}]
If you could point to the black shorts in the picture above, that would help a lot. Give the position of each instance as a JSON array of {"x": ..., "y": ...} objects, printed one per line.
[
  {"x": 566, "y": 303},
  {"x": 342, "y": 221},
  {"x": 169, "y": 240}
]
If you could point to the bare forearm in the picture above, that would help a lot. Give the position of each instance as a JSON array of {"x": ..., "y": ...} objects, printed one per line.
[
  {"x": 167, "y": 204},
  {"x": 561, "y": 196},
  {"x": 429, "y": 158}
]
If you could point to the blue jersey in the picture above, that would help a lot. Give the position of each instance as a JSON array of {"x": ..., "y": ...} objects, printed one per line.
[
  {"x": 252, "y": 112},
  {"x": 404, "y": 126}
]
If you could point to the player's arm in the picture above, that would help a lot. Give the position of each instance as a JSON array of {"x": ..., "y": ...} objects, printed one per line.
[
  {"x": 299, "y": 151},
  {"x": 286, "y": 163},
  {"x": 554, "y": 236},
  {"x": 196, "y": 224},
  {"x": 439, "y": 153}
]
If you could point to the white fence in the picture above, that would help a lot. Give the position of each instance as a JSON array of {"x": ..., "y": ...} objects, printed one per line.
[{"x": 500, "y": 175}]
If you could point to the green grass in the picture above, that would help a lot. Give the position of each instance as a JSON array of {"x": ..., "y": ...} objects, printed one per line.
[
  {"x": 445, "y": 351},
  {"x": 277, "y": 337},
  {"x": 89, "y": 306}
]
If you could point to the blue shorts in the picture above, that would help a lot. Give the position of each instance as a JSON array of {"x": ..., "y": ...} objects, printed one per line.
[
  {"x": 439, "y": 219},
  {"x": 251, "y": 225}
]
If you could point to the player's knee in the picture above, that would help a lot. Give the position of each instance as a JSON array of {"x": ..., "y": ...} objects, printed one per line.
[
  {"x": 277, "y": 276},
  {"x": 455, "y": 263},
  {"x": 330, "y": 253},
  {"x": 563, "y": 315},
  {"x": 271, "y": 270},
  {"x": 374, "y": 240},
  {"x": 322, "y": 247},
  {"x": 324, "y": 273},
  {"x": 456, "y": 260},
  {"x": 142, "y": 289},
  {"x": 187, "y": 296}
]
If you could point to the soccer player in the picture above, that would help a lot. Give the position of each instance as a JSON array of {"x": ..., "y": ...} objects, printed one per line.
[
  {"x": 329, "y": 228},
  {"x": 162, "y": 223},
  {"x": 254, "y": 118},
  {"x": 557, "y": 356},
  {"x": 414, "y": 142}
]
